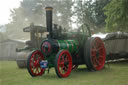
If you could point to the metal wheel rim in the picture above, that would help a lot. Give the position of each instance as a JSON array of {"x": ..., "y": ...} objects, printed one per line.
[
  {"x": 64, "y": 70},
  {"x": 98, "y": 53},
  {"x": 34, "y": 65}
]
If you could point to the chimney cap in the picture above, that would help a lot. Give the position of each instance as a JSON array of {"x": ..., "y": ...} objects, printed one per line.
[{"x": 48, "y": 8}]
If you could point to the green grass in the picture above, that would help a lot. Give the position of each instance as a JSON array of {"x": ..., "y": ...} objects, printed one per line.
[{"x": 117, "y": 74}]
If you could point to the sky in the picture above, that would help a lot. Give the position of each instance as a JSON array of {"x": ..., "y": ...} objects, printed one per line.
[{"x": 5, "y": 7}]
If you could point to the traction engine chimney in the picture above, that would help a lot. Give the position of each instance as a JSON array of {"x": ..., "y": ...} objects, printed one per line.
[{"x": 49, "y": 21}]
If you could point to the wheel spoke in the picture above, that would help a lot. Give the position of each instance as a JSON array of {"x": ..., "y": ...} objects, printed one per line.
[
  {"x": 61, "y": 64},
  {"x": 61, "y": 69},
  {"x": 66, "y": 68},
  {"x": 37, "y": 70},
  {"x": 100, "y": 48},
  {"x": 66, "y": 59},
  {"x": 32, "y": 65},
  {"x": 98, "y": 44},
  {"x": 34, "y": 58},
  {"x": 100, "y": 59},
  {"x": 96, "y": 62},
  {"x": 63, "y": 58},
  {"x": 93, "y": 52},
  {"x": 94, "y": 47},
  {"x": 93, "y": 60}
]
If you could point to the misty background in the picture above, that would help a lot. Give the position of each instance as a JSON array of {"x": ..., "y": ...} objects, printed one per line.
[
  {"x": 101, "y": 16},
  {"x": 69, "y": 14}
]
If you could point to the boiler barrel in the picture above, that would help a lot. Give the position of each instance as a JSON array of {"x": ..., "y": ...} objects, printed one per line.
[
  {"x": 70, "y": 45},
  {"x": 53, "y": 46}
]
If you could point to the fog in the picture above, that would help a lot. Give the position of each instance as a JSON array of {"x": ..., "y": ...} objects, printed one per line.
[{"x": 69, "y": 14}]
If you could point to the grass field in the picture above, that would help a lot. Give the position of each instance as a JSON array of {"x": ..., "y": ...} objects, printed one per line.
[{"x": 117, "y": 74}]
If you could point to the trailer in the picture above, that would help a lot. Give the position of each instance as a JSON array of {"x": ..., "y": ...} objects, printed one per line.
[{"x": 116, "y": 44}]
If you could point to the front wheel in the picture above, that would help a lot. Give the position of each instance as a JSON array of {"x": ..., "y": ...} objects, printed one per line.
[
  {"x": 95, "y": 54},
  {"x": 33, "y": 63},
  {"x": 63, "y": 64}
]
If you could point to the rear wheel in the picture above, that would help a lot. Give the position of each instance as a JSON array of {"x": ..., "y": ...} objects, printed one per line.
[
  {"x": 95, "y": 54},
  {"x": 33, "y": 63},
  {"x": 63, "y": 64}
]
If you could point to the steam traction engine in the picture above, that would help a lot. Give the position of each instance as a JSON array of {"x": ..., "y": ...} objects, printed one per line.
[{"x": 66, "y": 50}]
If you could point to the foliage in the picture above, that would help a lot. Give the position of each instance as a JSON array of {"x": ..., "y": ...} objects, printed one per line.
[
  {"x": 91, "y": 12},
  {"x": 98, "y": 6},
  {"x": 117, "y": 16},
  {"x": 34, "y": 11}
]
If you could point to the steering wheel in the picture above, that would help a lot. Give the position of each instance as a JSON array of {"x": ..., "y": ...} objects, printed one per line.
[{"x": 85, "y": 30}]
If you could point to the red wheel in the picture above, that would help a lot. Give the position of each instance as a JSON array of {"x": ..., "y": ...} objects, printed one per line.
[
  {"x": 63, "y": 64},
  {"x": 95, "y": 54},
  {"x": 33, "y": 63}
]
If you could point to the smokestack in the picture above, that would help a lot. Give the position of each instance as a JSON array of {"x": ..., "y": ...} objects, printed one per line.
[{"x": 49, "y": 20}]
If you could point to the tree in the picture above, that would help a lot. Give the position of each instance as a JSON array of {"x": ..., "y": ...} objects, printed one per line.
[
  {"x": 34, "y": 11},
  {"x": 117, "y": 16},
  {"x": 91, "y": 12}
]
